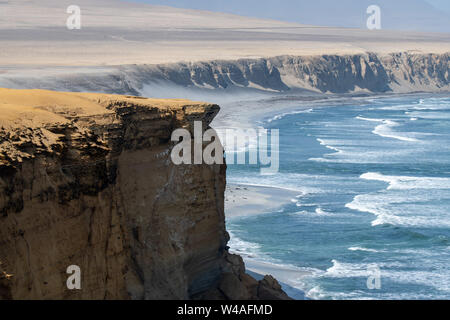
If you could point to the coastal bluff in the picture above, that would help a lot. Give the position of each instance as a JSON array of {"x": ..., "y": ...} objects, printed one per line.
[
  {"x": 317, "y": 75},
  {"x": 86, "y": 179}
]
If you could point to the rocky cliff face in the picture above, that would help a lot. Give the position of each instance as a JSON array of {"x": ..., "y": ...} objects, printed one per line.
[
  {"x": 87, "y": 180},
  {"x": 401, "y": 72},
  {"x": 370, "y": 73}
]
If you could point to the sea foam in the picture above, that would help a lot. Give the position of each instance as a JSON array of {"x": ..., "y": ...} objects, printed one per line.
[
  {"x": 408, "y": 182},
  {"x": 385, "y": 129},
  {"x": 281, "y": 116}
]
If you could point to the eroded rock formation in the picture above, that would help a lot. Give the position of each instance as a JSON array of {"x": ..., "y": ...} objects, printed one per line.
[
  {"x": 87, "y": 180},
  {"x": 402, "y": 72}
]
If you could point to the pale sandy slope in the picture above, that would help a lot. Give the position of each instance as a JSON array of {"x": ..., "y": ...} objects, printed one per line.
[
  {"x": 38, "y": 108},
  {"x": 113, "y": 32}
]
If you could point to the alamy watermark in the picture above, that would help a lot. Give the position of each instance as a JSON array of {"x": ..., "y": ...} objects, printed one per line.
[
  {"x": 73, "y": 22},
  {"x": 374, "y": 20},
  {"x": 374, "y": 279},
  {"x": 243, "y": 146},
  {"x": 74, "y": 280}
]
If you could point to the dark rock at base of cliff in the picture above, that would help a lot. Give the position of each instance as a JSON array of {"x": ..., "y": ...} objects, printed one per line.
[{"x": 236, "y": 284}]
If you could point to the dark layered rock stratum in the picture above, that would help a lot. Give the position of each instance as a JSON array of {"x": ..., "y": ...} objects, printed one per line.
[{"x": 87, "y": 180}]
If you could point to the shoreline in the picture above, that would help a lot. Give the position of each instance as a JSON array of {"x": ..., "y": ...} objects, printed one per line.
[
  {"x": 248, "y": 200},
  {"x": 251, "y": 113},
  {"x": 243, "y": 200}
]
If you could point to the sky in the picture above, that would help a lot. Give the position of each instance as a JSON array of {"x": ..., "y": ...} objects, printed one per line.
[
  {"x": 443, "y": 5},
  {"x": 417, "y": 15}
]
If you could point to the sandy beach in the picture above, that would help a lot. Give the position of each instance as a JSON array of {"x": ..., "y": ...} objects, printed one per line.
[{"x": 245, "y": 200}]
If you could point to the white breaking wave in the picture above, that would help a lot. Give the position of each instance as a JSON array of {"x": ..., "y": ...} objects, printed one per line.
[
  {"x": 428, "y": 115},
  {"x": 430, "y": 104},
  {"x": 281, "y": 116},
  {"x": 320, "y": 212},
  {"x": 348, "y": 270},
  {"x": 404, "y": 202},
  {"x": 261, "y": 263},
  {"x": 316, "y": 293},
  {"x": 324, "y": 143},
  {"x": 369, "y": 119},
  {"x": 356, "y": 154},
  {"x": 407, "y": 182},
  {"x": 383, "y": 216},
  {"x": 385, "y": 129},
  {"x": 395, "y": 210},
  {"x": 362, "y": 249},
  {"x": 244, "y": 248},
  {"x": 438, "y": 280}
]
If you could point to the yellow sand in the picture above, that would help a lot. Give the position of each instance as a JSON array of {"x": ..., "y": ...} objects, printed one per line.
[{"x": 33, "y": 108}]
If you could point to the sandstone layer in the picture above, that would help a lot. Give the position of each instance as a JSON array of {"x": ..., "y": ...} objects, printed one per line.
[{"x": 86, "y": 179}]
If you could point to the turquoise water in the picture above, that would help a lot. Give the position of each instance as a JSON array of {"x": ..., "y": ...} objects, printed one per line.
[{"x": 373, "y": 183}]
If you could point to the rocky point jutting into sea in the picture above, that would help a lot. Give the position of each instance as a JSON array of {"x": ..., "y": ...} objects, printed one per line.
[{"x": 86, "y": 179}]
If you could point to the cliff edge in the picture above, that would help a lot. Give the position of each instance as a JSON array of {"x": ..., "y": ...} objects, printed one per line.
[
  {"x": 368, "y": 73},
  {"x": 86, "y": 179}
]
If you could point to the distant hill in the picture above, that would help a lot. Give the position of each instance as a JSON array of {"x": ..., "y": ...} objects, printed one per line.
[{"x": 417, "y": 15}]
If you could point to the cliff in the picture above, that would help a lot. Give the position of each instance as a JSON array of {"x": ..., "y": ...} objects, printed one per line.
[
  {"x": 402, "y": 72},
  {"x": 372, "y": 73},
  {"x": 86, "y": 179}
]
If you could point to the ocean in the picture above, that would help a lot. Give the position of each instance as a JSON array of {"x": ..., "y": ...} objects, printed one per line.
[{"x": 373, "y": 184}]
